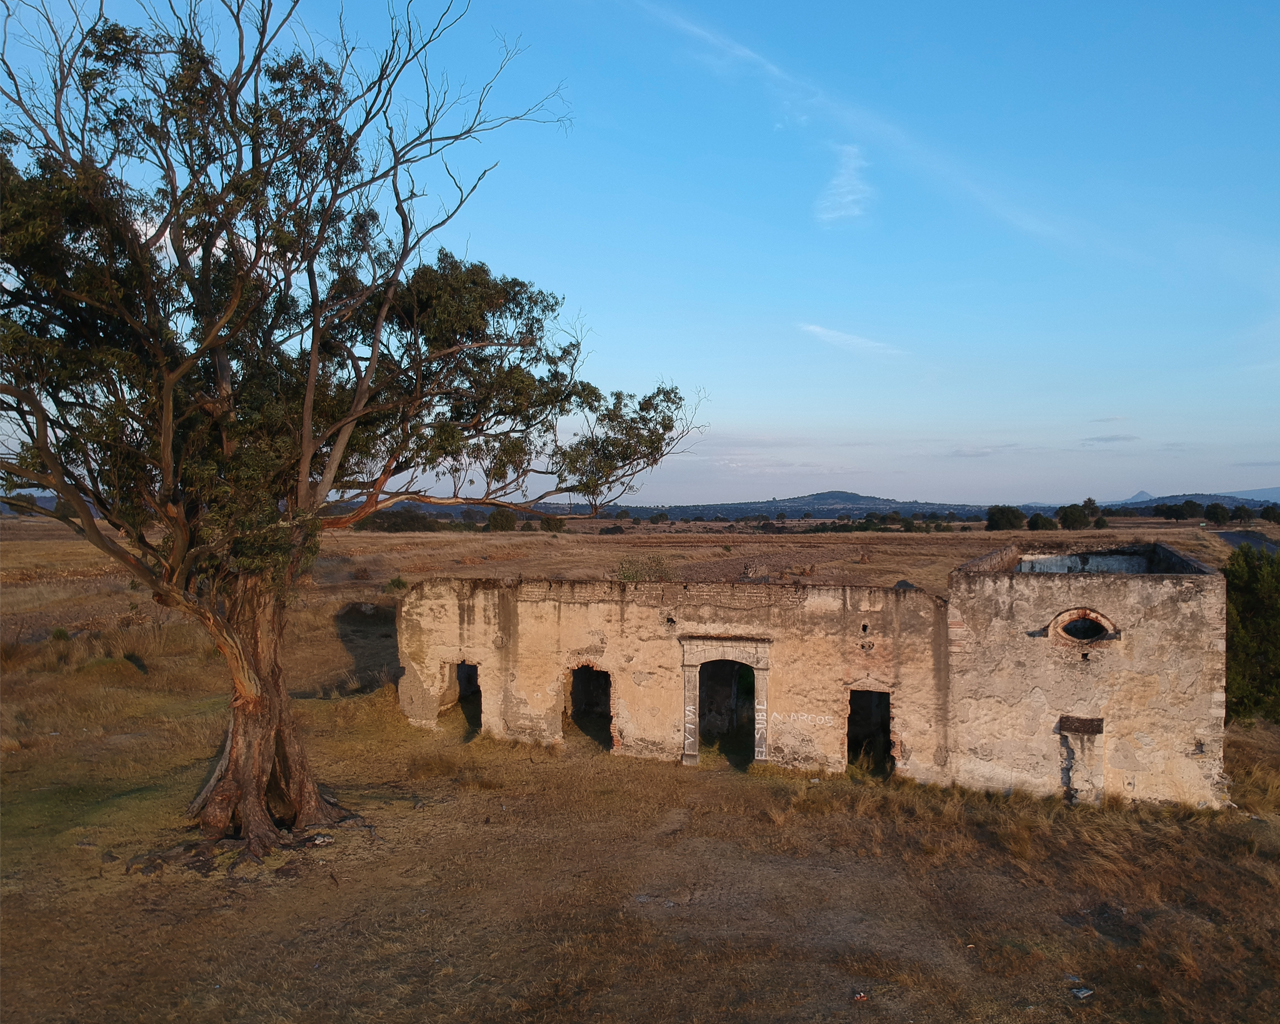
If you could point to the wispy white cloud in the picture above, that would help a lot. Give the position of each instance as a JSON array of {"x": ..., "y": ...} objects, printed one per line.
[
  {"x": 982, "y": 451},
  {"x": 813, "y": 100},
  {"x": 846, "y": 193},
  {"x": 1110, "y": 439},
  {"x": 849, "y": 342}
]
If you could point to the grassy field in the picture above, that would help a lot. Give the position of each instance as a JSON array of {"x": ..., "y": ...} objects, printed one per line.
[{"x": 497, "y": 882}]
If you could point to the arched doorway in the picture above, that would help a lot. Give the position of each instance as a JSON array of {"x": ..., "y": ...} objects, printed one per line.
[
  {"x": 727, "y": 710},
  {"x": 590, "y": 704},
  {"x": 749, "y": 653}
]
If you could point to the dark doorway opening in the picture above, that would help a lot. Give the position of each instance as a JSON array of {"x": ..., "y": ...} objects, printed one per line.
[
  {"x": 727, "y": 710},
  {"x": 467, "y": 679},
  {"x": 870, "y": 747},
  {"x": 591, "y": 705}
]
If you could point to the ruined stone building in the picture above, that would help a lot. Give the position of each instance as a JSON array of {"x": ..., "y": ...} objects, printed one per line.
[{"x": 1082, "y": 674}]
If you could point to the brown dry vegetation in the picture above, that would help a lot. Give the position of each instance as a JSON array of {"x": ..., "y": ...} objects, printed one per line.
[{"x": 514, "y": 883}]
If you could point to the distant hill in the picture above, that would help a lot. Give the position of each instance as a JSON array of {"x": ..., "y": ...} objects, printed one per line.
[
  {"x": 829, "y": 504},
  {"x": 1229, "y": 500},
  {"x": 824, "y": 505},
  {"x": 1267, "y": 494}
]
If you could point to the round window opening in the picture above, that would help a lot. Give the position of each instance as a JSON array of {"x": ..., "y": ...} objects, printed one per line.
[{"x": 1084, "y": 629}]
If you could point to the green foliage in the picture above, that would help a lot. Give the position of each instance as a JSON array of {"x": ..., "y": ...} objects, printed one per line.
[
  {"x": 502, "y": 520},
  {"x": 1073, "y": 517},
  {"x": 1271, "y": 514},
  {"x": 217, "y": 325},
  {"x": 1005, "y": 517},
  {"x": 1242, "y": 514},
  {"x": 552, "y": 524},
  {"x": 1090, "y": 507},
  {"x": 401, "y": 520},
  {"x": 60, "y": 634},
  {"x": 1100, "y": 523},
  {"x": 1217, "y": 513},
  {"x": 1040, "y": 521},
  {"x": 781, "y": 517},
  {"x": 1253, "y": 633},
  {"x": 659, "y": 517},
  {"x": 396, "y": 583}
]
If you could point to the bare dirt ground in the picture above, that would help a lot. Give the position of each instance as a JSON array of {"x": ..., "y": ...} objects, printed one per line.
[{"x": 498, "y": 882}]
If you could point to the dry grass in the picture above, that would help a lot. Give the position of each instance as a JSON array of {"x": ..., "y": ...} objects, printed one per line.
[{"x": 508, "y": 882}]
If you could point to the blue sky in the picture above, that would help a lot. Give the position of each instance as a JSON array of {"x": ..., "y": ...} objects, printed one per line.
[{"x": 951, "y": 252}]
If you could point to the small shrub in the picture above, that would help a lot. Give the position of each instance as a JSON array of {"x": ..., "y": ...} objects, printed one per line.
[
  {"x": 502, "y": 520},
  {"x": 398, "y": 520},
  {"x": 1100, "y": 523},
  {"x": 1040, "y": 521},
  {"x": 1073, "y": 517},
  {"x": 394, "y": 584},
  {"x": 1217, "y": 513},
  {"x": 658, "y": 517},
  {"x": 1005, "y": 517},
  {"x": 646, "y": 569},
  {"x": 60, "y": 635},
  {"x": 1253, "y": 633},
  {"x": 552, "y": 524},
  {"x": 360, "y": 574},
  {"x": 527, "y": 527}
]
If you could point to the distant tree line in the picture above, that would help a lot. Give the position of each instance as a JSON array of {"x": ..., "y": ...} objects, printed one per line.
[
  {"x": 1087, "y": 514},
  {"x": 1215, "y": 512}
]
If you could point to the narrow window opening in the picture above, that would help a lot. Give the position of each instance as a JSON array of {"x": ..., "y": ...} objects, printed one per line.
[
  {"x": 870, "y": 745},
  {"x": 727, "y": 711},
  {"x": 591, "y": 704}
]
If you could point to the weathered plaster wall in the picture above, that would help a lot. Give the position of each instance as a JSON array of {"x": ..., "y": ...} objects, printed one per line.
[
  {"x": 808, "y": 645},
  {"x": 1156, "y": 679},
  {"x": 978, "y": 684}
]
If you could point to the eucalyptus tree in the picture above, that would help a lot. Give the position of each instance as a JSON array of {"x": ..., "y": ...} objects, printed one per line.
[{"x": 222, "y": 332}]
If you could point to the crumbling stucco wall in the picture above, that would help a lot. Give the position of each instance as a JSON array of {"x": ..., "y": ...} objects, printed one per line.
[
  {"x": 808, "y": 645},
  {"x": 986, "y": 688},
  {"x": 1154, "y": 677}
]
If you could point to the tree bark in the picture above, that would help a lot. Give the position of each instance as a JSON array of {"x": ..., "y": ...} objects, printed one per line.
[{"x": 263, "y": 781}]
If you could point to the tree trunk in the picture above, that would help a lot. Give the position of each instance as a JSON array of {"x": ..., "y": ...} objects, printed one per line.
[{"x": 262, "y": 781}]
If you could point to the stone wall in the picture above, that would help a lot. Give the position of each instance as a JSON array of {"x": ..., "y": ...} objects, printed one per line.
[
  {"x": 988, "y": 689},
  {"x": 809, "y": 646},
  {"x": 1152, "y": 683}
]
